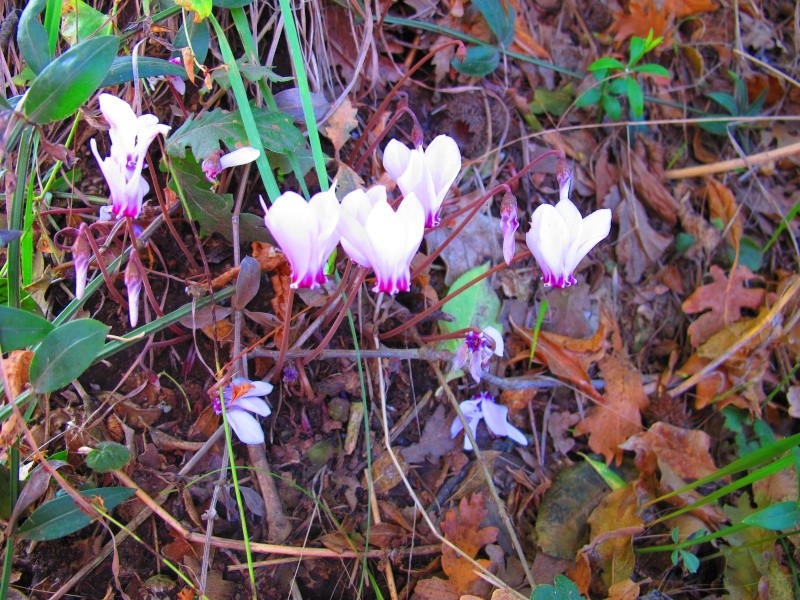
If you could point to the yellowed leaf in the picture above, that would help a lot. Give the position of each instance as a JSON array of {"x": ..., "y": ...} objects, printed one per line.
[{"x": 340, "y": 124}]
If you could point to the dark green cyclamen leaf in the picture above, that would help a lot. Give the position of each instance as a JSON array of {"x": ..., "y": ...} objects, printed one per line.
[
  {"x": 21, "y": 329},
  {"x": 211, "y": 210},
  {"x": 196, "y": 33},
  {"x": 32, "y": 37},
  {"x": 108, "y": 456},
  {"x": 204, "y": 133},
  {"x": 70, "y": 80},
  {"x": 65, "y": 353},
  {"x": 479, "y": 62},
  {"x": 121, "y": 70},
  {"x": 61, "y": 517},
  {"x": 500, "y": 18}
]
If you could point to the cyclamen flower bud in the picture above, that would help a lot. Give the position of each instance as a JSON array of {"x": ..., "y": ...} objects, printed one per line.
[
  {"x": 213, "y": 165},
  {"x": 508, "y": 225},
  {"x": 133, "y": 282},
  {"x": 81, "y": 253}
]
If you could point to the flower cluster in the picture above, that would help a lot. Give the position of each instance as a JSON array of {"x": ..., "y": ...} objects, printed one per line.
[
  {"x": 483, "y": 407},
  {"x": 241, "y": 398},
  {"x": 373, "y": 234},
  {"x": 131, "y": 136}
]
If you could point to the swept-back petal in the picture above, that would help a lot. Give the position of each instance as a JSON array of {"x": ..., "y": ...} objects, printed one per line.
[
  {"x": 289, "y": 220},
  {"x": 571, "y": 215},
  {"x": 395, "y": 158},
  {"x": 412, "y": 217},
  {"x": 325, "y": 208},
  {"x": 253, "y": 404},
  {"x": 595, "y": 228},
  {"x": 443, "y": 159},
  {"x": 240, "y": 156},
  {"x": 358, "y": 204},
  {"x": 259, "y": 388},
  {"x": 496, "y": 416},
  {"x": 497, "y": 338},
  {"x": 549, "y": 240},
  {"x": 386, "y": 235},
  {"x": 121, "y": 118},
  {"x": 354, "y": 240}
]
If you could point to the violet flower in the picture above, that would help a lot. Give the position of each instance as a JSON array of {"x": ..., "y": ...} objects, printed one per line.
[
  {"x": 306, "y": 232},
  {"x": 428, "y": 174},
  {"x": 374, "y": 235},
  {"x": 219, "y": 160},
  {"x": 241, "y": 398},
  {"x": 477, "y": 350},
  {"x": 483, "y": 407},
  {"x": 131, "y": 136}
]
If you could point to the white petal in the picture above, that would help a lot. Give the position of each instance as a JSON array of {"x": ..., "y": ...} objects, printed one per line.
[
  {"x": 354, "y": 240},
  {"x": 395, "y": 159},
  {"x": 443, "y": 159},
  {"x": 260, "y": 388},
  {"x": 357, "y": 205},
  {"x": 570, "y": 213},
  {"x": 549, "y": 240},
  {"x": 289, "y": 220},
  {"x": 471, "y": 409},
  {"x": 325, "y": 207},
  {"x": 240, "y": 156},
  {"x": 456, "y": 427},
  {"x": 253, "y": 405},
  {"x": 122, "y": 119},
  {"x": 412, "y": 216},
  {"x": 497, "y": 338},
  {"x": 594, "y": 229},
  {"x": 245, "y": 426},
  {"x": 496, "y": 416}
]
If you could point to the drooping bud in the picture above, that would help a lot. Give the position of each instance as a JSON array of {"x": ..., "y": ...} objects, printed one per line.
[
  {"x": 133, "y": 283},
  {"x": 508, "y": 225},
  {"x": 81, "y": 253}
]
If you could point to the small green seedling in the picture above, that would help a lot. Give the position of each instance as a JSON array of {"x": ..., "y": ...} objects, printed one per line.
[
  {"x": 690, "y": 561},
  {"x": 616, "y": 79},
  {"x": 736, "y": 105}
]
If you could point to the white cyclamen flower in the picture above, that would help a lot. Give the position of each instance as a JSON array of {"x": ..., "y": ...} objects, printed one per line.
[
  {"x": 477, "y": 350},
  {"x": 483, "y": 407},
  {"x": 213, "y": 165},
  {"x": 306, "y": 232},
  {"x": 428, "y": 174},
  {"x": 373, "y": 235},
  {"x": 131, "y": 136},
  {"x": 559, "y": 239},
  {"x": 241, "y": 398}
]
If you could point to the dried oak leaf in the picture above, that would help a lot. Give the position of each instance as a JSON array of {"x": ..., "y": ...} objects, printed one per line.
[
  {"x": 724, "y": 299},
  {"x": 722, "y": 206},
  {"x": 618, "y": 416},
  {"x": 462, "y": 528},
  {"x": 642, "y": 16},
  {"x": 340, "y": 124},
  {"x": 613, "y": 524}
]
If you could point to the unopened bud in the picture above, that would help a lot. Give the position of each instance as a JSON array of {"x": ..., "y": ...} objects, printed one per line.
[
  {"x": 81, "y": 253},
  {"x": 133, "y": 282},
  {"x": 508, "y": 225}
]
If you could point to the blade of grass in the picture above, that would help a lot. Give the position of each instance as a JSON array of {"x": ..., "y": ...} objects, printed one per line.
[
  {"x": 296, "y": 53},
  {"x": 16, "y": 216},
  {"x": 240, "y": 93},
  {"x": 26, "y": 241},
  {"x": 52, "y": 22}
]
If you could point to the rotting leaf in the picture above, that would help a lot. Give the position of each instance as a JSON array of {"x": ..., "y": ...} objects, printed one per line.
[
  {"x": 724, "y": 299},
  {"x": 340, "y": 124},
  {"x": 462, "y": 528},
  {"x": 432, "y": 444},
  {"x": 618, "y": 416},
  {"x": 722, "y": 206},
  {"x": 640, "y": 246}
]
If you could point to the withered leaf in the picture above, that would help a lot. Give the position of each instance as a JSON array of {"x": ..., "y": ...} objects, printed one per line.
[
  {"x": 618, "y": 510},
  {"x": 722, "y": 206},
  {"x": 724, "y": 299}
]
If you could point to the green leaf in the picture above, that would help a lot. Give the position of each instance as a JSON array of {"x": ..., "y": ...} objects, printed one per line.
[
  {"x": 611, "y": 479},
  {"x": 590, "y": 97},
  {"x": 637, "y": 49},
  {"x": 750, "y": 254},
  {"x": 121, "y": 70},
  {"x": 563, "y": 588},
  {"x": 778, "y": 517},
  {"x": 82, "y": 21},
  {"x": 612, "y": 107},
  {"x": 21, "y": 329},
  {"x": 107, "y": 457},
  {"x": 65, "y": 353},
  {"x": 690, "y": 561},
  {"x": 198, "y": 34},
  {"x": 231, "y": 3},
  {"x": 635, "y": 96},
  {"x": 211, "y": 210},
  {"x": 61, "y": 517},
  {"x": 477, "y": 306},
  {"x": 555, "y": 102},
  {"x": 617, "y": 86},
  {"x": 725, "y": 100},
  {"x": 605, "y": 62},
  {"x": 479, "y": 61},
  {"x": 500, "y": 18},
  {"x": 201, "y": 7},
  {"x": 651, "y": 69},
  {"x": 204, "y": 133},
  {"x": 70, "y": 80},
  {"x": 32, "y": 37}
]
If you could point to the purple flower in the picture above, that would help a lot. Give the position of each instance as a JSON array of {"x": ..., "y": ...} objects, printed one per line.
[
  {"x": 477, "y": 350},
  {"x": 241, "y": 398},
  {"x": 484, "y": 407}
]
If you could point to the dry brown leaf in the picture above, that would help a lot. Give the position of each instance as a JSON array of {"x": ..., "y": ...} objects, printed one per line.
[
  {"x": 434, "y": 588},
  {"x": 385, "y": 474},
  {"x": 642, "y": 16},
  {"x": 617, "y": 511},
  {"x": 722, "y": 206},
  {"x": 647, "y": 166},
  {"x": 432, "y": 444},
  {"x": 17, "y": 367},
  {"x": 724, "y": 299},
  {"x": 462, "y": 528},
  {"x": 340, "y": 124},
  {"x": 639, "y": 246},
  {"x": 618, "y": 415},
  {"x": 623, "y": 590}
]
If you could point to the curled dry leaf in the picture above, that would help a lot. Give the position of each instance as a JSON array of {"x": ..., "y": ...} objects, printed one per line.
[{"x": 722, "y": 206}]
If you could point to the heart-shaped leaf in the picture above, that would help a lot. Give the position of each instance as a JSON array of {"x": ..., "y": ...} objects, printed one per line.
[{"x": 65, "y": 353}]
